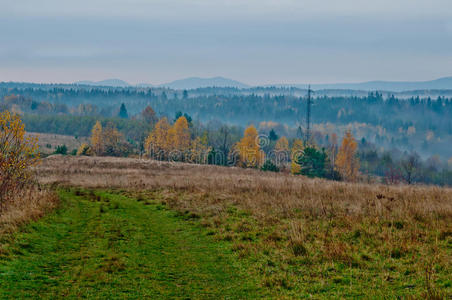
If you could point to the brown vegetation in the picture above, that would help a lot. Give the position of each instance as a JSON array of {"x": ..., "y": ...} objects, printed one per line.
[
  {"x": 261, "y": 192},
  {"x": 20, "y": 199},
  {"x": 48, "y": 142},
  {"x": 29, "y": 204}
]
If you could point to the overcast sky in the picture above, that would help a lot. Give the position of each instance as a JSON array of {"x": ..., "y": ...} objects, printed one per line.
[{"x": 254, "y": 41}]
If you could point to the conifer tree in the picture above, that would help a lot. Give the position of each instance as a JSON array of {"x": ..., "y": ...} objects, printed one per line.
[{"x": 123, "y": 112}]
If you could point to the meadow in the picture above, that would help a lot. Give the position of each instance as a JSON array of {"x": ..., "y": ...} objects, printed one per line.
[{"x": 294, "y": 236}]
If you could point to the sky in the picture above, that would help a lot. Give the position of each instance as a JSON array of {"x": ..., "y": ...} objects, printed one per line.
[{"x": 253, "y": 41}]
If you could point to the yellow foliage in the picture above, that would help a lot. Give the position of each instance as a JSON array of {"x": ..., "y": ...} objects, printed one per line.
[
  {"x": 111, "y": 140},
  {"x": 199, "y": 151},
  {"x": 295, "y": 153},
  {"x": 346, "y": 162},
  {"x": 97, "y": 142},
  {"x": 282, "y": 144},
  {"x": 156, "y": 143},
  {"x": 250, "y": 154},
  {"x": 17, "y": 153},
  {"x": 179, "y": 135},
  {"x": 84, "y": 149}
]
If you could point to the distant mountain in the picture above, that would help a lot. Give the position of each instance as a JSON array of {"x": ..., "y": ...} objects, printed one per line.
[
  {"x": 106, "y": 82},
  {"x": 394, "y": 86},
  {"x": 144, "y": 85},
  {"x": 197, "y": 82}
]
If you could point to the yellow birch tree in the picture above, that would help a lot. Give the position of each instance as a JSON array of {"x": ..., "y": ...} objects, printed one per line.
[
  {"x": 250, "y": 154},
  {"x": 179, "y": 135},
  {"x": 295, "y": 154},
  {"x": 156, "y": 143},
  {"x": 97, "y": 142},
  {"x": 347, "y": 162}
]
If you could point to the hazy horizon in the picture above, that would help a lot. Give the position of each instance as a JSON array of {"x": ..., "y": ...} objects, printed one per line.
[{"x": 254, "y": 42}]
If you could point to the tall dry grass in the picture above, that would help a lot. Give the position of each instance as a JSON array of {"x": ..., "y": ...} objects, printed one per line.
[
  {"x": 264, "y": 193},
  {"x": 28, "y": 203}
]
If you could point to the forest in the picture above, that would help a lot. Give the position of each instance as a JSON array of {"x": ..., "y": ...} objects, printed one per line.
[{"x": 397, "y": 139}]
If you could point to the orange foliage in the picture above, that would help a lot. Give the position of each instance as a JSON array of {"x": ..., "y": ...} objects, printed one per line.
[
  {"x": 250, "y": 154},
  {"x": 347, "y": 162}
]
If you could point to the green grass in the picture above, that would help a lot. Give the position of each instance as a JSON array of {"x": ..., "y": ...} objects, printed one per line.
[{"x": 101, "y": 245}]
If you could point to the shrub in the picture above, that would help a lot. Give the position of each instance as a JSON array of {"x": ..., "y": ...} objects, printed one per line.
[
  {"x": 61, "y": 150},
  {"x": 85, "y": 149},
  {"x": 17, "y": 155},
  {"x": 269, "y": 166}
]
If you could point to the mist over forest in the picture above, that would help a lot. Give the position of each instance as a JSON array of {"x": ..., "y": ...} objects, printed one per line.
[{"x": 400, "y": 121}]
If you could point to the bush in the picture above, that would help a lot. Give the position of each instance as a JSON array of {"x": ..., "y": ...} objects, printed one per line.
[
  {"x": 269, "y": 166},
  {"x": 85, "y": 150},
  {"x": 17, "y": 155},
  {"x": 61, "y": 150}
]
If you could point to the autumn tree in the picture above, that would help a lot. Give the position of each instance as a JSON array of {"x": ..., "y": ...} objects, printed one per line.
[
  {"x": 347, "y": 162},
  {"x": 149, "y": 115},
  {"x": 156, "y": 144},
  {"x": 112, "y": 141},
  {"x": 179, "y": 135},
  {"x": 84, "y": 150},
  {"x": 332, "y": 154},
  {"x": 250, "y": 154},
  {"x": 199, "y": 150},
  {"x": 97, "y": 141},
  {"x": 282, "y": 151},
  {"x": 295, "y": 153},
  {"x": 410, "y": 167},
  {"x": 17, "y": 154}
]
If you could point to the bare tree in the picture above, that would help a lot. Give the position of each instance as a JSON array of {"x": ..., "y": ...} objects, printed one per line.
[{"x": 410, "y": 167}]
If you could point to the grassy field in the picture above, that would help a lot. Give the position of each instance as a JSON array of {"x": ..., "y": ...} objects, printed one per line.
[
  {"x": 297, "y": 237},
  {"x": 142, "y": 228},
  {"x": 101, "y": 245}
]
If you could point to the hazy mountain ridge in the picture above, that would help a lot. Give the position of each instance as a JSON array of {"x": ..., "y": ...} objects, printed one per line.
[
  {"x": 198, "y": 82},
  {"x": 106, "y": 82},
  {"x": 444, "y": 83},
  {"x": 191, "y": 83}
]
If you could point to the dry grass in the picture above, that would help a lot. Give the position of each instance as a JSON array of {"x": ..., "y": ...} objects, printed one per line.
[
  {"x": 55, "y": 140},
  {"x": 264, "y": 193},
  {"x": 29, "y": 203},
  {"x": 307, "y": 235}
]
